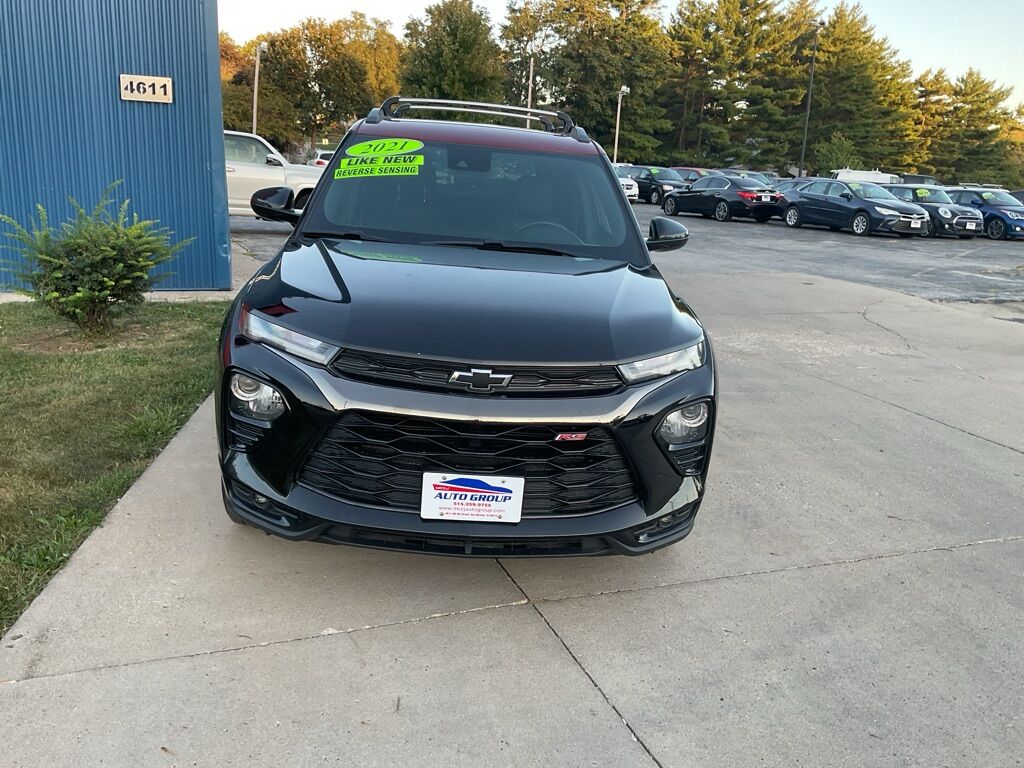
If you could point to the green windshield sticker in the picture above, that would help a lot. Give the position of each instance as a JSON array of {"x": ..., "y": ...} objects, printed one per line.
[
  {"x": 405, "y": 169},
  {"x": 855, "y": 186},
  {"x": 987, "y": 195},
  {"x": 383, "y": 147},
  {"x": 653, "y": 170},
  {"x": 921, "y": 192}
]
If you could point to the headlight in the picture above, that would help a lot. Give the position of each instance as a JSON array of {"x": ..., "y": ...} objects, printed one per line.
[
  {"x": 682, "y": 360},
  {"x": 1015, "y": 215},
  {"x": 688, "y": 424},
  {"x": 666, "y": 187},
  {"x": 886, "y": 211},
  {"x": 945, "y": 213},
  {"x": 258, "y": 329},
  {"x": 251, "y": 397}
]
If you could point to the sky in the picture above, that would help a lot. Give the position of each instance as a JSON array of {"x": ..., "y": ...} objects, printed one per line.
[{"x": 984, "y": 34}]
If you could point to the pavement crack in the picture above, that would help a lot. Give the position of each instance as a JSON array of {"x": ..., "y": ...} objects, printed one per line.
[
  {"x": 783, "y": 569},
  {"x": 632, "y": 731},
  {"x": 329, "y": 632},
  {"x": 906, "y": 342}
]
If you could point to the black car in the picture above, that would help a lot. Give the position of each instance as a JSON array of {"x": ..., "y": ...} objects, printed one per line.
[
  {"x": 859, "y": 206},
  {"x": 464, "y": 348},
  {"x": 655, "y": 182},
  {"x": 724, "y": 197},
  {"x": 793, "y": 185},
  {"x": 944, "y": 216}
]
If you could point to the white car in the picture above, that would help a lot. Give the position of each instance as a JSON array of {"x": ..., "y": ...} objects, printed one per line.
[
  {"x": 629, "y": 186},
  {"x": 252, "y": 163},
  {"x": 320, "y": 158}
]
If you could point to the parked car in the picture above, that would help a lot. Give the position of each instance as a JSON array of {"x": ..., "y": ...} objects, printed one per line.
[
  {"x": 861, "y": 207},
  {"x": 252, "y": 163},
  {"x": 654, "y": 182},
  {"x": 876, "y": 176},
  {"x": 724, "y": 197},
  {"x": 792, "y": 185},
  {"x": 944, "y": 216},
  {"x": 629, "y": 187},
  {"x": 690, "y": 174},
  {"x": 320, "y": 158},
  {"x": 421, "y": 368},
  {"x": 1019, "y": 194},
  {"x": 757, "y": 175},
  {"x": 1003, "y": 213},
  {"x": 918, "y": 178}
]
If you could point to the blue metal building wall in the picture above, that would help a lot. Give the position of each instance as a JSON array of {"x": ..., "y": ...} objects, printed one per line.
[{"x": 66, "y": 131}]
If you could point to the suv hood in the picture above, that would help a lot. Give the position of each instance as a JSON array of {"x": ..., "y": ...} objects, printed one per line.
[{"x": 470, "y": 305}]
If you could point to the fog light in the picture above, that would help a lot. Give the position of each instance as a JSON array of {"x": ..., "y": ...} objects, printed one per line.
[
  {"x": 685, "y": 425},
  {"x": 252, "y": 398}
]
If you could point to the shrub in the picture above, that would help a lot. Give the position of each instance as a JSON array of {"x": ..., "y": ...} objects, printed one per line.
[{"x": 95, "y": 265}]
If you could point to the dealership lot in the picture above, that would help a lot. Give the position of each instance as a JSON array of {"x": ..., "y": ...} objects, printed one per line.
[{"x": 851, "y": 595}]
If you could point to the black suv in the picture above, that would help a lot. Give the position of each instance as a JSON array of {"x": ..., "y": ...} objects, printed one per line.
[
  {"x": 655, "y": 182},
  {"x": 464, "y": 348}
]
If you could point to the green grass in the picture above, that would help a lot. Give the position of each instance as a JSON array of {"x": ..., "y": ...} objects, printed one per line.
[{"x": 81, "y": 419}]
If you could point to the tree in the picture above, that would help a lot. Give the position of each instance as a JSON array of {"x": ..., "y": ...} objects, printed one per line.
[
  {"x": 838, "y": 152},
  {"x": 528, "y": 34},
  {"x": 934, "y": 93},
  {"x": 601, "y": 46},
  {"x": 372, "y": 44},
  {"x": 452, "y": 54},
  {"x": 863, "y": 90},
  {"x": 310, "y": 61}
]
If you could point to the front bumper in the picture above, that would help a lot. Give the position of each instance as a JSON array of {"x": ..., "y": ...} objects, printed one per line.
[
  {"x": 901, "y": 225},
  {"x": 261, "y": 486},
  {"x": 1014, "y": 228},
  {"x": 959, "y": 225}
]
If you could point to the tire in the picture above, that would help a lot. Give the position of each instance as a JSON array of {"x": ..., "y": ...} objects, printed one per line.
[
  {"x": 860, "y": 224},
  {"x": 722, "y": 212},
  {"x": 792, "y": 217},
  {"x": 654, "y": 197},
  {"x": 669, "y": 206},
  {"x": 929, "y": 228},
  {"x": 995, "y": 229}
]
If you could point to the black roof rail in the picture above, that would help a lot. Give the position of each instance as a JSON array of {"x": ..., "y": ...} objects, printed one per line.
[{"x": 552, "y": 121}]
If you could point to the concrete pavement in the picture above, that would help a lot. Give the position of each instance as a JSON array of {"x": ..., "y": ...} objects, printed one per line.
[{"x": 853, "y": 594}]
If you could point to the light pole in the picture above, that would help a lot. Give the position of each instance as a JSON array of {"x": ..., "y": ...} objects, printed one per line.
[
  {"x": 529, "y": 91},
  {"x": 623, "y": 91},
  {"x": 261, "y": 48},
  {"x": 810, "y": 89}
]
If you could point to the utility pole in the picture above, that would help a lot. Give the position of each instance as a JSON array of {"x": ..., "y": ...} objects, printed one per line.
[
  {"x": 261, "y": 48},
  {"x": 810, "y": 89},
  {"x": 623, "y": 91},
  {"x": 529, "y": 91}
]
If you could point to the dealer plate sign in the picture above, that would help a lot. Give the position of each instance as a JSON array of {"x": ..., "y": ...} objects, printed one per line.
[
  {"x": 477, "y": 498},
  {"x": 147, "y": 88}
]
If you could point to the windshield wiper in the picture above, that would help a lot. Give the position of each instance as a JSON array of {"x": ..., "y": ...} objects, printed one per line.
[
  {"x": 495, "y": 245},
  {"x": 343, "y": 236}
]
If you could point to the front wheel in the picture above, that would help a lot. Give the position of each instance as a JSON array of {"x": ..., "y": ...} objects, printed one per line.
[
  {"x": 996, "y": 230},
  {"x": 861, "y": 224},
  {"x": 654, "y": 197},
  {"x": 930, "y": 230},
  {"x": 792, "y": 217},
  {"x": 722, "y": 212},
  {"x": 669, "y": 206}
]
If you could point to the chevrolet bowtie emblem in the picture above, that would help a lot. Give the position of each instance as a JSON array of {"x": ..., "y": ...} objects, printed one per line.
[{"x": 480, "y": 379}]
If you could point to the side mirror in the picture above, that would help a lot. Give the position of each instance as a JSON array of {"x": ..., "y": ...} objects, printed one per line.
[
  {"x": 666, "y": 234},
  {"x": 275, "y": 204},
  {"x": 274, "y": 160},
  {"x": 846, "y": 195}
]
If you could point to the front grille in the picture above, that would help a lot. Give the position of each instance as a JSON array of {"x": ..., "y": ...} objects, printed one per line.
[
  {"x": 961, "y": 222},
  {"x": 903, "y": 223},
  {"x": 379, "y": 459},
  {"x": 526, "y": 381}
]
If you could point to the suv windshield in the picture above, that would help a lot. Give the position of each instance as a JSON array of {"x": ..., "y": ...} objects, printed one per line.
[
  {"x": 869, "y": 191},
  {"x": 666, "y": 174},
  {"x": 996, "y": 197},
  {"x": 455, "y": 193}
]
